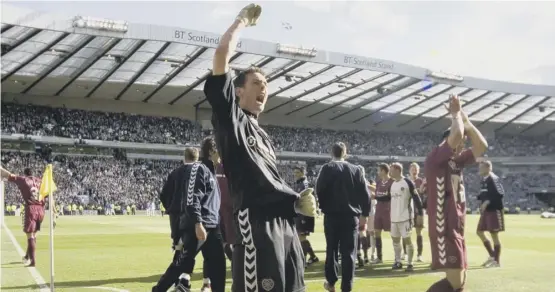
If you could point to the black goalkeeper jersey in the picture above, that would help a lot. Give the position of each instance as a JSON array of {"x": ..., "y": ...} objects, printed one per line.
[{"x": 246, "y": 150}]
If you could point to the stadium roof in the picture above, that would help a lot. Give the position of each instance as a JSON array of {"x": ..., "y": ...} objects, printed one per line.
[{"x": 45, "y": 54}]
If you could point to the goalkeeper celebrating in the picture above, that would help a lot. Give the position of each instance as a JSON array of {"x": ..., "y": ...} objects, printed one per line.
[
  {"x": 267, "y": 254},
  {"x": 345, "y": 201}
]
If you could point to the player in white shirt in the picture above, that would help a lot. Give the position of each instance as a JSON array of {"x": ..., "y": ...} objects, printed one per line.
[
  {"x": 404, "y": 202},
  {"x": 151, "y": 209}
]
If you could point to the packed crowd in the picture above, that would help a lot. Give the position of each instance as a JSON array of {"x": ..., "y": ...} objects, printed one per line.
[
  {"x": 62, "y": 122},
  {"x": 102, "y": 180},
  {"x": 105, "y": 180}
]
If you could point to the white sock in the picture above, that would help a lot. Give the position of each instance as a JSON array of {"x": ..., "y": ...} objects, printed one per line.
[
  {"x": 206, "y": 281},
  {"x": 410, "y": 253},
  {"x": 185, "y": 276},
  {"x": 397, "y": 248},
  {"x": 372, "y": 245}
]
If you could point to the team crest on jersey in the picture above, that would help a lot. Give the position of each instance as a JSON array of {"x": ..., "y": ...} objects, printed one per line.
[
  {"x": 402, "y": 189},
  {"x": 268, "y": 284},
  {"x": 251, "y": 141},
  {"x": 453, "y": 165}
]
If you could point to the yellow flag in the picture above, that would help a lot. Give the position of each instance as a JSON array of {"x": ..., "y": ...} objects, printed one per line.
[{"x": 47, "y": 186}]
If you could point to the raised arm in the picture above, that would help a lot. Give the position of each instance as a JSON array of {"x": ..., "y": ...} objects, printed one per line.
[
  {"x": 456, "y": 134},
  {"x": 225, "y": 49},
  {"x": 228, "y": 42},
  {"x": 5, "y": 173},
  {"x": 479, "y": 143}
]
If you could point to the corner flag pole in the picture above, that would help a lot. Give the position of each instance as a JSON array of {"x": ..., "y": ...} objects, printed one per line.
[{"x": 52, "y": 217}]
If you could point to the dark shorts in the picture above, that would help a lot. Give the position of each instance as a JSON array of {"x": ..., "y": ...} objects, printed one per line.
[
  {"x": 304, "y": 225},
  {"x": 382, "y": 218},
  {"x": 492, "y": 221},
  {"x": 32, "y": 219},
  {"x": 269, "y": 256}
]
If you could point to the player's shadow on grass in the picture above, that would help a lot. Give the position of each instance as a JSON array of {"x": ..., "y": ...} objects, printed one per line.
[
  {"x": 316, "y": 271},
  {"x": 107, "y": 282},
  {"x": 11, "y": 265}
]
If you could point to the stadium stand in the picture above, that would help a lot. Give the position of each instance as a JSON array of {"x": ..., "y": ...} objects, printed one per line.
[
  {"x": 62, "y": 79},
  {"x": 45, "y": 121}
]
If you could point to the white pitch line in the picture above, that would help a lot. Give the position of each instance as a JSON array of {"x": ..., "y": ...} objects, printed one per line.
[{"x": 32, "y": 270}]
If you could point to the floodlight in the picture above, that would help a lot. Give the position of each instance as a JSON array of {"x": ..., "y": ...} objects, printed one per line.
[
  {"x": 445, "y": 76},
  {"x": 100, "y": 24},
  {"x": 296, "y": 51}
]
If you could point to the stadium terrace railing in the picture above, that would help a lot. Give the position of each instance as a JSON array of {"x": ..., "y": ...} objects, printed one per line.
[{"x": 130, "y": 146}]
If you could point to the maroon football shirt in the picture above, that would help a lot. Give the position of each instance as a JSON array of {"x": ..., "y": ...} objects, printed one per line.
[
  {"x": 445, "y": 186},
  {"x": 226, "y": 206},
  {"x": 382, "y": 190},
  {"x": 29, "y": 187},
  {"x": 226, "y": 202}
]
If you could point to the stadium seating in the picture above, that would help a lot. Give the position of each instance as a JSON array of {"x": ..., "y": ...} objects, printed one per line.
[
  {"x": 123, "y": 182},
  {"x": 30, "y": 119}
]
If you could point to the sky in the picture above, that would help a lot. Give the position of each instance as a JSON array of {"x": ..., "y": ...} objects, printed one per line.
[{"x": 510, "y": 41}]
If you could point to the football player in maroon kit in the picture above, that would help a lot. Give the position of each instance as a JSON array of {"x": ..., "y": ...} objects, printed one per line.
[
  {"x": 491, "y": 213},
  {"x": 29, "y": 187},
  {"x": 446, "y": 197},
  {"x": 414, "y": 172},
  {"x": 382, "y": 218}
]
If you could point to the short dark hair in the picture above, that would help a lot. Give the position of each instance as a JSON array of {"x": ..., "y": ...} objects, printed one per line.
[
  {"x": 191, "y": 154},
  {"x": 339, "y": 150},
  {"x": 27, "y": 172},
  {"x": 241, "y": 77},
  {"x": 299, "y": 168},
  {"x": 384, "y": 167},
  {"x": 208, "y": 145}
]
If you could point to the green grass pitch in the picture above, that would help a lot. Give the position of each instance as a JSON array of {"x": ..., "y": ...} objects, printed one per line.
[{"x": 131, "y": 252}]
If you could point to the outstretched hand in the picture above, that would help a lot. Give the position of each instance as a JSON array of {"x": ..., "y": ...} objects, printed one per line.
[
  {"x": 454, "y": 105},
  {"x": 249, "y": 14}
]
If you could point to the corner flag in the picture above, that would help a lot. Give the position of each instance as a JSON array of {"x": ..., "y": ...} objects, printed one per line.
[{"x": 47, "y": 186}]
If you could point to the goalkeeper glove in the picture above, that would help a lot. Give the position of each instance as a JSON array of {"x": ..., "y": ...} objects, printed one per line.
[
  {"x": 306, "y": 204},
  {"x": 250, "y": 14}
]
